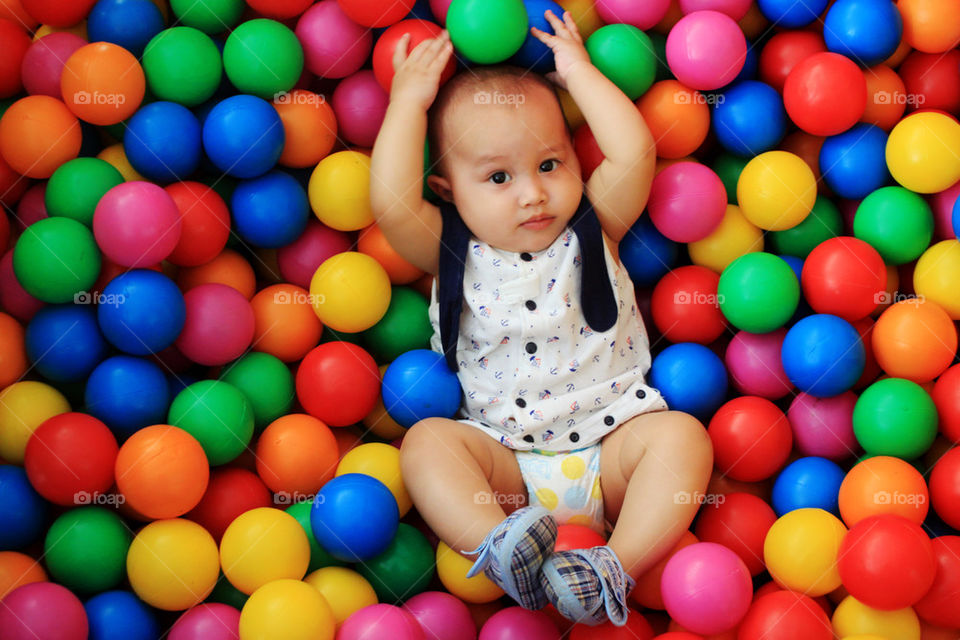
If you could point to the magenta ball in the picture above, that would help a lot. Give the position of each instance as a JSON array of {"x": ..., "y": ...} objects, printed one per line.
[
  {"x": 334, "y": 46},
  {"x": 14, "y": 299},
  {"x": 136, "y": 224},
  {"x": 942, "y": 205},
  {"x": 32, "y": 206},
  {"x": 43, "y": 63},
  {"x": 42, "y": 610},
  {"x": 824, "y": 426},
  {"x": 442, "y": 615},
  {"x": 736, "y": 9},
  {"x": 298, "y": 261},
  {"x": 706, "y": 588},
  {"x": 210, "y": 621},
  {"x": 642, "y": 15},
  {"x": 219, "y": 325},
  {"x": 517, "y": 623},
  {"x": 687, "y": 201},
  {"x": 753, "y": 360},
  {"x": 359, "y": 102},
  {"x": 706, "y": 50},
  {"x": 439, "y": 10},
  {"x": 380, "y": 621}
]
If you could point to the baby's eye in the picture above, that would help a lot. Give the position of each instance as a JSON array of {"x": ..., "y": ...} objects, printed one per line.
[
  {"x": 499, "y": 177},
  {"x": 549, "y": 165}
]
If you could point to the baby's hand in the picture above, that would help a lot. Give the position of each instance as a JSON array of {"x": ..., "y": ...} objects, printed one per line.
[
  {"x": 567, "y": 45},
  {"x": 417, "y": 76}
]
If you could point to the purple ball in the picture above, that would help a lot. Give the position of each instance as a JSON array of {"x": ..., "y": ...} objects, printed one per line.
[
  {"x": 42, "y": 610},
  {"x": 380, "y": 621},
  {"x": 442, "y": 615},
  {"x": 359, "y": 102},
  {"x": 517, "y": 623},
  {"x": 299, "y": 260},
  {"x": 824, "y": 426},
  {"x": 210, "y": 621},
  {"x": 753, "y": 360},
  {"x": 334, "y": 46}
]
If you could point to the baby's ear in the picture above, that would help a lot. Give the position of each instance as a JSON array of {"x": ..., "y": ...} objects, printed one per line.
[{"x": 440, "y": 186}]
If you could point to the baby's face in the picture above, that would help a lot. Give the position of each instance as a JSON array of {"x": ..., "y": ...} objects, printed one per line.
[{"x": 511, "y": 169}]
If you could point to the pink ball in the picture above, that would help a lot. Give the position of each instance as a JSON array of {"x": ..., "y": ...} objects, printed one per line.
[
  {"x": 517, "y": 623},
  {"x": 210, "y": 621},
  {"x": 334, "y": 46},
  {"x": 13, "y": 297},
  {"x": 442, "y": 615},
  {"x": 136, "y": 224},
  {"x": 439, "y": 10},
  {"x": 942, "y": 205},
  {"x": 360, "y": 103},
  {"x": 824, "y": 426},
  {"x": 32, "y": 206},
  {"x": 848, "y": 211},
  {"x": 299, "y": 260},
  {"x": 753, "y": 360},
  {"x": 380, "y": 621},
  {"x": 42, "y": 610},
  {"x": 736, "y": 9},
  {"x": 642, "y": 15},
  {"x": 43, "y": 63},
  {"x": 687, "y": 201},
  {"x": 706, "y": 588},
  {"x": 706, "y": 50},
  {"x": 219, "y": 324}
]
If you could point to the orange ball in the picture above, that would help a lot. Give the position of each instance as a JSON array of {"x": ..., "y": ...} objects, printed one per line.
[
  {"x": 647, "y": 592},
  {"x": 285, "y": 324},
  {"x": 162, "y": 471},
  {"x": 37, "y": 135},
  {"x": 309, "y": 125},
  {"x": 18, "y": 569},
  {"x": 753, "y": 23},
  {"x": 883, "y": 484},
  {"x": 347, "y": 440},
  {"x": 229, "y": 268},
  {"x": 807, "y": 148},
  {"x": 678, "y": 117},
  {"x": 102, "y": 83},
  {"x": 885, "y": 97},
  {"x": 297, "y": 454},
  {"x": 931, "y": 26},
  {"x": 902, "y": 51},
  {"x": 373, "y": 243},
  {"x": 13, "y": 351},
  {"x": 914, "y": 339}
]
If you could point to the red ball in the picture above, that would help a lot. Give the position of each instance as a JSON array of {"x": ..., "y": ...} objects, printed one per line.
[
  {"x": 58, "y": 13},
  {"x": 577, "y": 536},
  {"x": 751, "y": 438},
  {"x": 376, "y": 13},
  {"x": 685, "y": 305},
  {"x": 419, "y": 31},
  {"x": 785, "y": 615},
  {"x": 946, "y": 395},
  {"x": 738, "y": 521},
  {"x": 70, "y": 459},
  {"x": 825, "y": 94},
  {"x": 945, "y": 488},
  {"x": 14, "y": 42},
  {"x": 204, "y": 224},
  {"x": 338, "y": 383},
  {"x": 845, "y": 277},
  {"x": 939, "y": 605},
  {"x": 279, "y": 9},
  {"x": 230, "y": 493},
  {"x": 784, "y": 51},
  {"x": 932, "y": 80},
  {"x": 587, "y": 150},
  {"x": 886, "y": 562},
  {"x": 637, "y": 628}
]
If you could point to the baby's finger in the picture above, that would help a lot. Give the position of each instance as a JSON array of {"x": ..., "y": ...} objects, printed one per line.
[
  {"x": 572, "y": 26},
  {"x": 400, "y": 52},
  {"x": 546, "y": 38},
  {"x": 559, "y": 27},
  {"x": 440, "y": 61}
]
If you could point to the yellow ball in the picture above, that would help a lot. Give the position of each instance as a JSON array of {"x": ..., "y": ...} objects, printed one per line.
[
  {"x": 344, "y": 589},
  {"x": 584, "y": 14},
  {"x": 937, "y": 276},
  {"x": 350, "y": 292},
  {"x": 922, "y": 152},
  {"x": 865, "y": 636},
  {"x": 173, "y": 564},
  {"x": 852, "y": 617},
  {"x": 263, "y": 545},
  {"x": 24, "y": 406},
  {"x": 380, "y": 461},
  {"x": 776, "y": 190},
  {"x": 801, "y": 548},
  {"x": 339, "y": 191},
  {"x": 452, "y": 570},
  {"x": 379, "y": 421},
  {"x": 286, "y": 610},
  {"x": 117, "y": 157},
  {"x": 733, "y": 237}
]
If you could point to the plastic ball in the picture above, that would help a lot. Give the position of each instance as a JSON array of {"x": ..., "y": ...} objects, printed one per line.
[
  {"x": 77, "y": 186},
  {"x": 706, "y": 50},
  {"x": 646, "y": 253},
  {"x": 533, "y": 54},
  {"x": 895, "y": 417},
  {"x": 211, "y": 17},
  {"x": 354, "y": 517},
  {"x": 309, "y": 126},
  {"x": 776, "y": 190},
  {"x": 886, "y": 97},
  {"x": 207, "y": 621},
  {"x": 299, "y": 260},
  {"x": 678, "y": 118},
  {"x": 338, "y": 191},
  {"x": 929, "y": 80},
  {"x": 23, "y": 510},
  {"x": 296, "y": 455},
  {"x": 230, "y": 492},
  {"x": 243, "y": 136},
  {"x": 24, "y": 406},
  {"x": 753, "y": 361},
  {"x": 371, "y": 13},
  {"x": 338, "y": 383},
  {"x": 883, "y": 484},
  {"x": 487, "y": 32},
  {"x": 800, "y": 551},
  {"x": 896, "y": 222},
  {"x": 790, "y": 14},
  {"x": 787, "y": 615},
  {"x": 931, "y": 26},
  {"x": 687, "y": 201},
  {"x": 441, "y": 615},
  {"x": 914, "y": 339},
  {"x": 218, "y": 415},
  {"x": 102, "y": 83},
  {"x": 380, "y": 461},
  {"x": 404, "y": 569},
  {"x": 625, "y": 55},
  {"x": 285, "y": 325},
  {"x": 267, "y": 384},
  {"x": 120, "y": 614},
  {"x": 228, "y": 268},
  {"x": 852, "y": 162},
  {"x": 418, "y": 385},
  {"x": 350, "y": 292},
  {"x": 270, "y": 211},
  {"x": 867, "y": 31},
  {"x": 360, "y": 104},
  {"x": 734, "y": 237},
  {"x": 64, "y": 343},
  {"x": 751, "y": 438},
  {"x": 136, "y": 224},
  {"x": 289, "y": 609},
  {"x": 691, "y": 378},
  {"x": 810, "y": 482},
  {"x": 945, "y": 394},
  {"x": 684, "y": 305},
  {"x": 16, "y": 41},
  {"x": 383, "y": 51},
  {"x": 404, "y": 327},
  {"x": 825, "y": 94},
  {"x": 263, "y": 545},
  {"x": 182, "y": 65},
  {"x": 844, "y": 276},
  {"x": 919, "y": 152},
  {"x": 56, "y": 259},
  {"x": 263, "y": 58},
  {"x": 784, "y": 51},
  {"x": 738, "y": 521},
  {"x": 452, "y": 570},
  {"x": 345, "y": 590},
  {"x": 37, "y": 135},
  {"x": 334, "y": 46},
  {"x": 130, "y": 24},
  {"x": 43, "y": 63},
  {"x": 219, "y": 324},
  {"x": 204, "y": 223},
  {"x": 758, "y": 292},
  {"x": 823, "y": 355},
  {"x": 379, "y": 619},
  {"x": 852, "y": 618},
  {"x": 640, "y": 15},
  {"x": 13, "y": 352},
  {"x": 943, "y": 205},
  {"x": 86, "y": 549},
  {"x": 163, "y": 141},
  {"x": 750, "y": 119},
  {"x": 937, "y": 276},
  {"x": 43, "y": 610},
  {"x": 141, "y": 312}
]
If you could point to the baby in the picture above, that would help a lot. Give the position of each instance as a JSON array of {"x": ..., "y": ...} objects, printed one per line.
[{"x": 534, "y": 311}]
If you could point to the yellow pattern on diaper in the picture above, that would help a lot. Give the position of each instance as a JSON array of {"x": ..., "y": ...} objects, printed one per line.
[
  {"x": 547, "y": 498},
  {"x": 581, "y": 519},
  {"x": 573, "y": 466},
  {"x": 595, "y": 491}
]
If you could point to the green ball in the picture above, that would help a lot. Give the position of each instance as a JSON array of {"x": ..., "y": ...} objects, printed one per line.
[
  {"x": 226, "y": 593},
  {"x": 76, "y": 187},
  {"x": 182, "y": 65},
  {"x": 660, "y": 49},
  {"x": 55, "y": 259},
  {"x": 729, "y": 167},
  {"x": 758, "y": 292},
  {"x": 404, "y": 569},
  {"x": 86, "y": 549},
  {"x": 895, "y": 417},
  {"x": 319, "y": 558},
  {"x": 263, "y": 58},
  {"x": 404, "y": 327},
  {"x": 218, "y": 415},
  {"x": 897, "y": 222},
  {"x": 823, "y": 223},
  {"x": 626, "y": 56},
  {"x": 209, "y": 16},
  {"x": 487, "y": 31},
  {"x": 329, "y": 335},
  {"x": 266, "y": 382}
]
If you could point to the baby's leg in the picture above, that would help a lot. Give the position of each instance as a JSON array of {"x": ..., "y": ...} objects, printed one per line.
[{"x": 651, "y": 469}]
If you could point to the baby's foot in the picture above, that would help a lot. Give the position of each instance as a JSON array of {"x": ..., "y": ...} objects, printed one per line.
[
  {"x": 512, "y": 553},
  {"x": 588, "y": 586}
]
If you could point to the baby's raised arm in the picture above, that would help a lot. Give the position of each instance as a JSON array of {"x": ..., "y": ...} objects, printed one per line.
[{"x": 411, "y": 224}]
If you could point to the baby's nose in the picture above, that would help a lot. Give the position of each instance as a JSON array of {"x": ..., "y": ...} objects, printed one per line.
[{"x": 533, "y": 192}]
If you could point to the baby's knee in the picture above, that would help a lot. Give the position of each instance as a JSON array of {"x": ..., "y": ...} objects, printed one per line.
[
  {"x": 686, "y": 440},
  {"x": 419, "y": 442}
]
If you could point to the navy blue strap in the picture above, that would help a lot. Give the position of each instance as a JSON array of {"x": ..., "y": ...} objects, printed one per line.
[{"x": 597, "y": 299}]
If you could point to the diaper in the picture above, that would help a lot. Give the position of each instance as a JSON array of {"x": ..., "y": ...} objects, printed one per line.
[{"x": 566, "y": 483}]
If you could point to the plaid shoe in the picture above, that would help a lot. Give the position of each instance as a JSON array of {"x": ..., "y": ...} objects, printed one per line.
[
  {"x": 513, "y": 551},
  {"x": 588, "y": 586}
]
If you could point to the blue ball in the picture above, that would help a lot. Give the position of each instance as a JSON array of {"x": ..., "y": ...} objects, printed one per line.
[
  {"x": 533, "y": 54},
  {"x": 853, "y": 162},
  {"x": 64, "y": 342},
  {"x": 691, "y": 378},
  {"x": 812, "y": 482},
  {"x": 646, "y": 253},
  {"x": 120, "y": 615},
  {"x": 749, "y": 118},
  {"x": 956, "y": 218},
  {"x": 128, "y": 23},
  {"x": 866, "y": 31},
  {"x": 418, "y": 384},
  {"x": 162, "y": 141},
  {"x": 751, "y": 65},
  {"x": 141, "y": 312},
  {"x": 243, "y": 136},
  {"x": 790, "y": 14},
  {"x": 270, "y": 211},
  {"x": 127, "y": 394},
  {"x": 823, "y": 355},
  {"x": 354, "y": 517},
  {"x": 22, "y": 511}
]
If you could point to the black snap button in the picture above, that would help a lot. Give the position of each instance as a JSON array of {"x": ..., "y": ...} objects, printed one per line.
[
  {"x": 528, "y": 438},
  {"x": 526, "y": 257},
  {"x": 609, "y": 421},
  {"x": 531, "y": 305},
  {"x": 531, "y": 347},
  {"x": 641, "y": 394},
  {"x": 521, "y": 402},
  {"x": 574, "y": 436}
]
